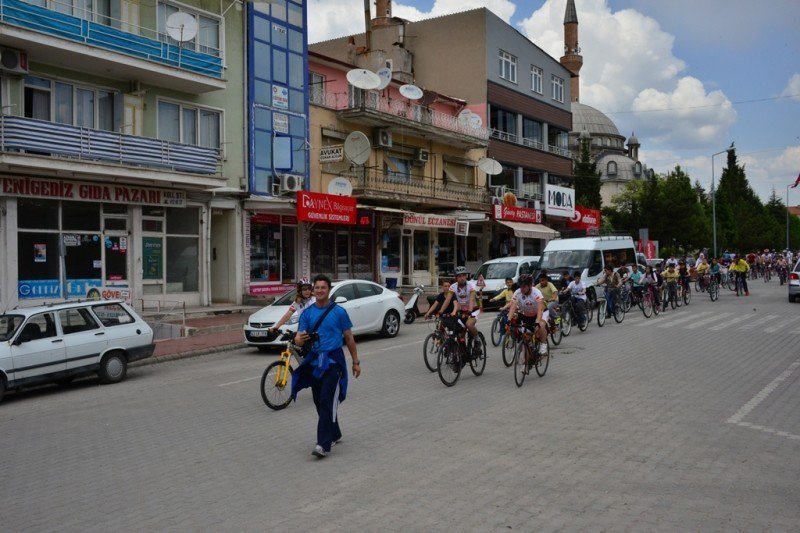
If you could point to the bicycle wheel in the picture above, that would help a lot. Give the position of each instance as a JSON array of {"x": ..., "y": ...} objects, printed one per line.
[
  {"x": 566, "y": 321},
  {"x": 697, "y": 285},
  {"x": 275, "y": 396},
  {"x": 478, "y": 362},
  {"x": 542, "y": 362},
  {"x": 449, "y": 363},
  {"x": 673, "y": 300},
  {"x": 509, "y": 344},
  {"x": 679, "y": 297},
  {"x": 497, "y": 332},
  {"x": 430, "y": 350},
  {"x": 626, "y": 300},
  {"x": 588, "y": 307},
  {"x": 647, "y": 306},
  {"x": 556, "y": 335},
  {"x": 601, "y": 313},
  {"x": 687, "y": 297},
  {"x": 587, "y": 316},
  {"x": 520, "y": 365},
  {"x": 713, "y": 292},
  {"x": 619, "y": 313}
]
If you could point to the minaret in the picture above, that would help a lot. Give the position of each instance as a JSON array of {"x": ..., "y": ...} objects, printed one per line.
[{"x": 572, "y": 59}]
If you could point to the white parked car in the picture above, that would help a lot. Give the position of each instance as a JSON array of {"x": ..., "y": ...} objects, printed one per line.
[
  {"x": 371, "y": 307},
  {"x": 59, "y": 342}
]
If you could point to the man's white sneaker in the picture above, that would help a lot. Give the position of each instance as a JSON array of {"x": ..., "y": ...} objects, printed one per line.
[
  {"x": 543, "y": 349},
  {"x": 319, "y": 452}
]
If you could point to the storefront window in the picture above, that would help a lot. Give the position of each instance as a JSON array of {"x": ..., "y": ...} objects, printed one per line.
[
  {"x": 179, "y": 246},
  {"x": 422, "y": 250},
  {"x": 265, "y": 248},
  {"x": 116, "y": 258},
  {"x": 342, "y": 255},
  {"x": 362, "y": 256},
  {"x": 38, "y": 258},
  {"x": 182, "y": 261},
  {"x": 37, "y": 214},
  {"x": 83, "y": 216},
  {"x": 153, "y": 258},
  {"x": 390, "y": 251},
  {"x": 446, "y": 258},
  {"x": 323, "y": 252}
]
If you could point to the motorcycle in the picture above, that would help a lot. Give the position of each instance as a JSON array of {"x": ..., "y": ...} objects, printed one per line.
[{"x": 412, "y": 305}]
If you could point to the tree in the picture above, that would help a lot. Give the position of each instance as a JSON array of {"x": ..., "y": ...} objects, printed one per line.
[{"x": 587, "y": 179}]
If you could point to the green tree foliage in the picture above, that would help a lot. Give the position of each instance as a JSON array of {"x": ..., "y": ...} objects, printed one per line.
[{"x": 587, "y": 179}]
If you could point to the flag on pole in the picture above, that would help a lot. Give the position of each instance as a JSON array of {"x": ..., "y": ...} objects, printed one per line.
[{"x": 796, "y": 182}]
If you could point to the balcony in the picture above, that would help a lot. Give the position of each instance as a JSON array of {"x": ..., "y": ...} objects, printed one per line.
[
  {"x": 415, "y": 189},
  {"x": 370, "y": 109},
  {"x": 530, "y": 143},
  {"x": 109, "y": 48},
  {"x": 29, "y": 143}
]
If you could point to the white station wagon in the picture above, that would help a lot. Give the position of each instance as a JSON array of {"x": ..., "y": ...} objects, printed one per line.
[{"x": 59, "y": 342}]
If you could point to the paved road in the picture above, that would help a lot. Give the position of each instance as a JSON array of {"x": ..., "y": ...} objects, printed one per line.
[{"x": 683, "y": 422}]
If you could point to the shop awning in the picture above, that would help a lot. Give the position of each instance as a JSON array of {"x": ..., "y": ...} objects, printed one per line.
[{"x": 530, "y": 231}]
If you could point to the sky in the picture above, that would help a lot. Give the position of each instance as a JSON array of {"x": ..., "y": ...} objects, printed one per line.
[{"x": 687, "y": 76}]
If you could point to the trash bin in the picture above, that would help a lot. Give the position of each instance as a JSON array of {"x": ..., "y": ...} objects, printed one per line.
[{"x": 391, "y": 283}]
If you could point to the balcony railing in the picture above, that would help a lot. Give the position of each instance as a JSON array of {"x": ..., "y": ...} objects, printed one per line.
[
  {"x": 530, "y": 143},
  {"x": 48, "y": 138},
  {"x": 111, "y": 34},
  {"x": 372, "y": 181},
  {"x": 414, "y": 112}
]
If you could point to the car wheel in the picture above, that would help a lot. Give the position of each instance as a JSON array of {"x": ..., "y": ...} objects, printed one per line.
[
  {"x": 113, "y": 368},
  {"x": 391, "y": 324}
]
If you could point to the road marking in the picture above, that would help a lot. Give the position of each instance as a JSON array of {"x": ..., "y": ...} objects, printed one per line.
[
  {"x": 399, "y": 346},
  {"x": 760, "y": 321},
  {"x": 691, "y": 316},
  {"x": 762, "y": 395},
  {"x": 237, "y": 382},
  {"x": 781, "y": 325},
  {"x": 731, "y": 322},
  {"x": 709, "y": 320}
]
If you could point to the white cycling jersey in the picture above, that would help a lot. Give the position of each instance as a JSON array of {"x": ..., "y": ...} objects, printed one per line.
[
  {"x": 462, "y": 294},
  {"x": 527, "y": 303}
]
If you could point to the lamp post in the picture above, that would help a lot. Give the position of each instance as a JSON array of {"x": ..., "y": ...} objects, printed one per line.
[
  {"x": 714, "y": 197},
  {"x": 787, "y": 216}
]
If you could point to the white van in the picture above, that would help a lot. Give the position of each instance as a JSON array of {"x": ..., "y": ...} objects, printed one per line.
[
  {"x": 589, "y": 255},
  {"x": 495, "y": 272}
]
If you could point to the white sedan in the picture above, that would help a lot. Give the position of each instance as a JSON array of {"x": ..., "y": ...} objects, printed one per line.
[{"x": 371, "y": 307}]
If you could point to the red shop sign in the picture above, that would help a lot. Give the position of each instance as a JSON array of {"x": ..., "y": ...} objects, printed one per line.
[
  {"x": 327, "y": 208},
  {"x": 264, "y": 218},
  {"x": 584, "y": 218},
  {"x": 517, "y": 214}
]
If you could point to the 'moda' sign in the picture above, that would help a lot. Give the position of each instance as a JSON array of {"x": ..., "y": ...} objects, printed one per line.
[{"x": 559, "y": 201}]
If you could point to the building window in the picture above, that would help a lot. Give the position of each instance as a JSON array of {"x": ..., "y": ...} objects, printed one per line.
[
  {"x": 637, "y": 168},
  {"x": 65, "y": 103},
  {"x": 508, "y": 67},
  {"x": 502, "y": 120},
  {"x": 272, "y": 251},
  {"x": 611, "y": 168},
  {"x": 171, "y": 237},
  {"x": 531, "y": 129},
  {"x": 189, "y": 125},
  {"x": 397, "y": 169},
  {"x": 316, "y": 88},
  {"x": 536, "y": 79},
  {"x": 207, "y": 40},
  {"x": 558, "y": 88}
]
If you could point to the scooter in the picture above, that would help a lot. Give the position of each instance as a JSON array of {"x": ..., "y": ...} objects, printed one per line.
[{"x": 412, "y": 307}]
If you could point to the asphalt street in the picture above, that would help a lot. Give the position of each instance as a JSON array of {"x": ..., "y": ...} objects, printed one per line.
[{"x": 683, "y": 422}]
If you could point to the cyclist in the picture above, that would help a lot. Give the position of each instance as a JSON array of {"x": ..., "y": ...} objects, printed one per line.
[
  {"x": 577, "y": 291},
  {"x": 671, "y": 278},
  {"x": 651, "y": 278},
  {"x": 612, "y": 282},
  {"x": 462, "y": 294},
  {"x": 550, "y": 295},
  {"x": 507, "y": 293},
  {"x": 715, "y": 270},
  {"x": 683, "y": 271},
  {"x": 438, "y": 302},
  {"x": 528, "y": 304},
  {"x": 741, "y": 268},
  {"x": 635, "y": 277},
  {"x": 302, "y": 301}
]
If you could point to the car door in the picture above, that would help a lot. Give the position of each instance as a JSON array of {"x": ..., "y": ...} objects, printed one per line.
[
  {"x": 372, "y": 305},
  {"x": 84, "y": 339},
  {"x": 37, "y": 349},
  {"x": 119, "y": 326},
  {"x": 352, "y": 305}
]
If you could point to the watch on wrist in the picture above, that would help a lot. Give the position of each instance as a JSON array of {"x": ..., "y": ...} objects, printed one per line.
[{"x": 357, "y": 363}]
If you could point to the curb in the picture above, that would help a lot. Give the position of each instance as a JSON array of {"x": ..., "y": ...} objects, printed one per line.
[{"x": 186, "y": 355}]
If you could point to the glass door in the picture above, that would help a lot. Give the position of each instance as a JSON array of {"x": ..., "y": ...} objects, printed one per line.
[{"x": 408, "y": 260}]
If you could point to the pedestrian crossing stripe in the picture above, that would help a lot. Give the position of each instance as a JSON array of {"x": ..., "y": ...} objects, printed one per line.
[
  {"x": 731, "y": 322},
  {"x": 782, "y": 324},
  {"x": 701, "y": 323},
  {"x": 692, "y": 316},
  {"x": 760, "y": 321}
]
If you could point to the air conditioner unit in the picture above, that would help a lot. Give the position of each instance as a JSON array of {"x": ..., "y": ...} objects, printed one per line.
[
  {"x": 13, "y": 61},
  {"x": 390, "y": 64},
  {"x": 383, "y": 138},
  {"x": 291, "y": 183},
  {"x": 421, "y": 156}
]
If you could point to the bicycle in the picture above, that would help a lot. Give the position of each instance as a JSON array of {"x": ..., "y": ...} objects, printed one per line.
[
  {"x": 569, "y": 314},
  {"x": 276, "y": 383},
  {"x": 671, "y": 296},
  {"x": 432, "y": 345},
  {"x": 457, "y": 351},
  {"x": 509, "y": 343},
  {"x": 782, "y": 275},
  {"x": 767, "y": 274},
  {"x": 527, "y": 356},
  {"x": 499, "y": 327},
  {"x": 686, "y": 293},
  {"x": 649, "y": 301},
  {"x": 713, "y": 289},
  {"x": 601, "y": 310}
]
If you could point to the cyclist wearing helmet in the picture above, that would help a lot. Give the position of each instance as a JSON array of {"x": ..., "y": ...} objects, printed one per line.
[
  {"x": 529, "y": 303},
  {"x": 462, "y": 294},
  {"x": 302, "y": 301}
]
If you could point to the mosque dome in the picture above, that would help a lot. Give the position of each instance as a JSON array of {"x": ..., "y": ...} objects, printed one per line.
[{"x": 587, "y": 118}]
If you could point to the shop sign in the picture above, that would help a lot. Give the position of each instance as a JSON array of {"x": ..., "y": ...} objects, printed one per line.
[
  {"x": 90, "y": 192},
  {"x": 38, "y": 288},
  {"x": 264, "y": 218},
  {"x": 327, "y": 208},
  {"x": 365, "y": 218},
  {"x": 280, "y": 97},
  {"x": 428, "y": 220},
  {"x": 274, "y": 289},
  {"x": 76, "y": 288},
  {"x": 152, "y": 258},
  {"x": 289, "y": 219},
  {"x": 462, "y": 228},
  {"x": 584, "y": 218},
  {"x": 517, "y": 214},
  {"x": 331, "y": 154},
  {"x": 559, "y": 201},
  {"x": 280, "y": 123}
]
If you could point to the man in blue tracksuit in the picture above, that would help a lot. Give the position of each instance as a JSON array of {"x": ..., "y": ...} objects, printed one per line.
[{"x": 325, "y": 369}]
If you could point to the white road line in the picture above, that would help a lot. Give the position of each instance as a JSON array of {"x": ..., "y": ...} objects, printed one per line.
[
  {"x": 782, "y": 324},
  {"x": 239, "y": 381},
  {"x": 400, "y": 346},
  {"x": 760, "y": 321},
  {"x": 731, "y": 322},
  {"x": 709, "y": 320},
  {"x": 691, "y": 316}
]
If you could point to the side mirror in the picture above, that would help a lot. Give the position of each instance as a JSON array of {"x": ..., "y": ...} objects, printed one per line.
[{"x": 340, "y": 299}]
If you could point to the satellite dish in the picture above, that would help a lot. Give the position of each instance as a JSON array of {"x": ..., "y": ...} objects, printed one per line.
[
  {"x": 428, "y": 97},
  {"x": 465, "y": 116},
  {"x": 361, "y": 78},
  {"x": 475, "y": 120},
  {"x": 385, "y": 74},
  {"x": 490, "y": 166},
  {"x": 357, "y": 148},
  {"x": 182, "y": 26},
  {"x": 412, "y": 92}
]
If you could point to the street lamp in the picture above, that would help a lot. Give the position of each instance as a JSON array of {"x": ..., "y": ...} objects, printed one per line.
[
  {"x": 787, "y": 216},
  {"x": 714, "y": 197}
]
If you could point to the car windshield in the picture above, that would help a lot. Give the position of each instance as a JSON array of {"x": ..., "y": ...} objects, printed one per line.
[
  {"x": 566, "y": 260},
  {"x": 286, "y": 299},
  {"x": 8, "y": 325},
  {"x": 497, "y": 271}
]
